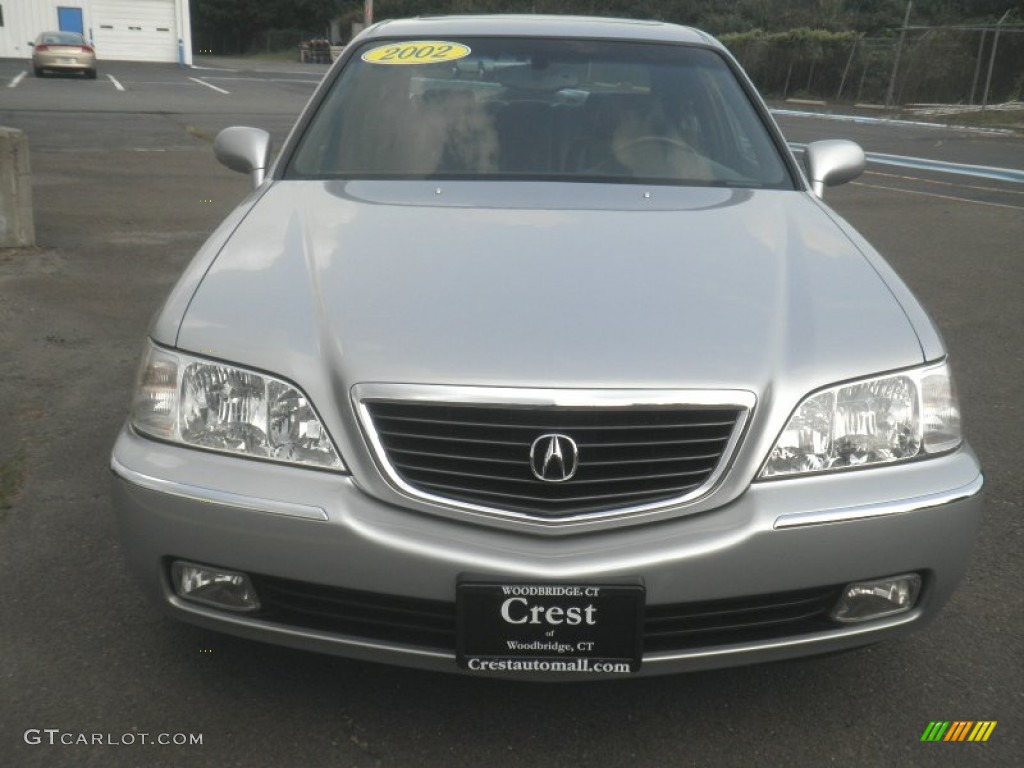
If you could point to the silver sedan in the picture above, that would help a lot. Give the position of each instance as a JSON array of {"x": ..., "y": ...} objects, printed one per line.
[{"x": 535, "y": 353}]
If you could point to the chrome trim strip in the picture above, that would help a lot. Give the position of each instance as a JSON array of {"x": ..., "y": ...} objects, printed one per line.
[
  {"x": 881, "y": 509},
  {"x": 283, "y": 630},
  {"x": 785, "y": 643},
  {"x": 527, "y": 397},
  {"x": 254, "y": 624},
  {"x": 222, "y": 498}
]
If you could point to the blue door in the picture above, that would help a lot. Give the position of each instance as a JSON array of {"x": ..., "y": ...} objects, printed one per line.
[{"x": 70, "y": 20}]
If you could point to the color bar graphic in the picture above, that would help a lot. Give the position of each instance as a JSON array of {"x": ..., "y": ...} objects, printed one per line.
[
  {"x": 958, "y": 730},
  {"x": 982, "y": 730}
]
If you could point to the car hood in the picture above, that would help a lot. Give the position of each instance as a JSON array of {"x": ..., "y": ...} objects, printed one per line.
[{"x": 552, "y": 285}]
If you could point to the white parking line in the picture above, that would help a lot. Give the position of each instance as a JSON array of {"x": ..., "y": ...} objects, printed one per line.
[
  {"x": 17, "y": 79},
  {"x": 949, "y": 184},
  {"x": 203, "y": 82},
  {"x": 116, "y": 84},
  {"x": 304, "y": 81},
  {"x": 933, "y": 194}
]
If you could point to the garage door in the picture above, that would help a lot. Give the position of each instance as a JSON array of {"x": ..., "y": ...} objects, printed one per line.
[{"x": 136, "y": 30}]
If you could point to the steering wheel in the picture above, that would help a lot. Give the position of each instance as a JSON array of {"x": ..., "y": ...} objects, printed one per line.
[
  {"x": 657, "y": 157},
  {"x": 667, "y": 141},
  {"x": 645, "y": 156}
]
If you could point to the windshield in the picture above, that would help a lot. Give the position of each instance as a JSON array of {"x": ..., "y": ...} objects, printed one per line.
[{"x": 508, "y": 108}]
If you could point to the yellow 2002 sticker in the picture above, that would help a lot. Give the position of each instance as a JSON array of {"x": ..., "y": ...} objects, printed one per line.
[{"x": 416, "y": 52}]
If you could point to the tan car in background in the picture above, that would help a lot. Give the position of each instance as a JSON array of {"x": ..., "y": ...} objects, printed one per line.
[{"x": 63, "y": 52}]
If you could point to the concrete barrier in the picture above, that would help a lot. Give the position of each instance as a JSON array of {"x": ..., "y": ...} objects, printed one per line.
[{"x": 17, "y": 227}]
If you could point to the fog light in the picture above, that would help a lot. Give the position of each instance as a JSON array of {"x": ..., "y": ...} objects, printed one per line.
[
  {"x": 864, "y": 600},
  {"x": 213, "y": 586}
]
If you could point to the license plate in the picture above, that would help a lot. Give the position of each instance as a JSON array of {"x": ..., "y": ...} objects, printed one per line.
[
  {"x": 67, "y": 60},
  {"x": 549, "y": 628}
]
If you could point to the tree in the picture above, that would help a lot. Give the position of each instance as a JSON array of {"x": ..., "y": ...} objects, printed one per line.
[{"x": 237, "y": 23}]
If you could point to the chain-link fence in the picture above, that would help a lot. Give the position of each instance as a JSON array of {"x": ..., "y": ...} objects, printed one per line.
[
  {"x": 232, "y": 43},
  {"x": 940, "y": 65},
  {"x": 947, "y": 66}
]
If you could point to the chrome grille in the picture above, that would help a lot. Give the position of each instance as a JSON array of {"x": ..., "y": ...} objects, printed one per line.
[{"x": 478, "y": 455}]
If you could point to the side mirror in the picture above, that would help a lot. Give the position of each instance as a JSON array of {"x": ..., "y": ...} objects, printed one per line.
[
  {"x": 31, "y": 45},
  {"x": 832, "y": 162},
  {"x": 246, "y": 150}
]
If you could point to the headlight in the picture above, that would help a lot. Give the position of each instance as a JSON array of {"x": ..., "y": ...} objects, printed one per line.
[
  {"x": 223, "y": 408},
  {"x": 874, "y": 421}
]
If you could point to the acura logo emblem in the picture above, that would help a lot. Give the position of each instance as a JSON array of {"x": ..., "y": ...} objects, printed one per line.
[{"x": 554, "y": 458}]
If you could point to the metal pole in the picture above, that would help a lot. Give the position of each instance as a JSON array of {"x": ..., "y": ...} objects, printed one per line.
[
  {"x": 846, "y": 69},
  {"x": 789, "y": 74},
  {"x": 992, "y": 61},
  {"x": 977, "y": 66},
  {"x": 367, "y": 12},
  {"x": 863, "y": 77},
  {"x": 899, "y": 51}
]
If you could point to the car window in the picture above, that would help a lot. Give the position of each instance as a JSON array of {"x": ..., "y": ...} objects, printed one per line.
[
  {"x": 62, "y": 38},
  {"x": 539, "y": 109}
]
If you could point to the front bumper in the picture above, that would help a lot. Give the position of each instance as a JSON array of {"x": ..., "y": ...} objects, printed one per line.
[{"x": 320, "y": 528}]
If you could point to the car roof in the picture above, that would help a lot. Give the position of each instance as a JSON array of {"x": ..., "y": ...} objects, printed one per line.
[{"x": 583, "y": 27}]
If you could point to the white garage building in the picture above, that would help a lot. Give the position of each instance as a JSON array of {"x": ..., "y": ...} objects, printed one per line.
[{"x": 127, "y": 30}]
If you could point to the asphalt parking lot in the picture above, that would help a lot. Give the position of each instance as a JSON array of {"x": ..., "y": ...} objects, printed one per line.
[{"x": 126, "y": 188}]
